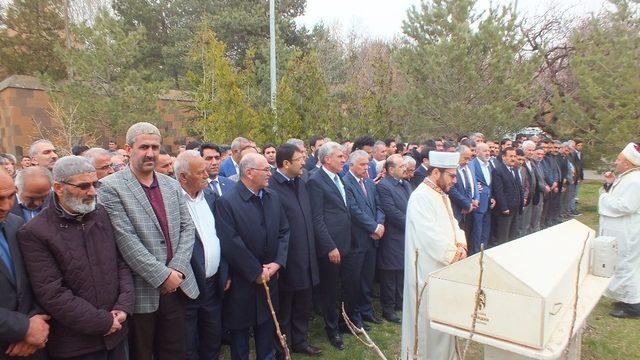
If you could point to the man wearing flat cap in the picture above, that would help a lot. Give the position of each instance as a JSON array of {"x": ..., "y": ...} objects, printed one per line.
[
  {"x": 433, "y": 236},
  {"x": 619, "y": 208}
]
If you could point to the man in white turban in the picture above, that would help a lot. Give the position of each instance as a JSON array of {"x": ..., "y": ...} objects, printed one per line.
[
  {"x": 433, "y": 240},
  {"x": 619, "y": 208}
]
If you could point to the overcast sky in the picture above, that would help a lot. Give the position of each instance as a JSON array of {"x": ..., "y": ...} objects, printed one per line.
[{"x": 383, "y": 18}]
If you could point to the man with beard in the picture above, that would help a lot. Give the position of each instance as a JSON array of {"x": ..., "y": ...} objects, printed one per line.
[
  {"x": 432, "y": 235},
  {"x": 43, "y": 153},
  {"x": 76, "y": 272},
  {"x": 619, "y": 209},
  {"x": 155, "y": 235}
]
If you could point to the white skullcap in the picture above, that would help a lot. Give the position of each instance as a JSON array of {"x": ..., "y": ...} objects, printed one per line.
[
  {"x": 444, "y": 160},
  {"x": 632, "y": 153}
]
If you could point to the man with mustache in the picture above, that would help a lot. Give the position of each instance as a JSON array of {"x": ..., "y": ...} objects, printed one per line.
[
  {"x": 76, "y": 272},
  {"x": 155, "y": 235}
]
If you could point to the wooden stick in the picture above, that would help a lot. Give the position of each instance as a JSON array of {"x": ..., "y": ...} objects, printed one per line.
[
  {"x": 355, "y": 331},
  {"x": 419, "y": 295},
  {"x": 283, "y": 339},
  {"x": 575, "y": 300},
  {"x": 474, "y": 318}
]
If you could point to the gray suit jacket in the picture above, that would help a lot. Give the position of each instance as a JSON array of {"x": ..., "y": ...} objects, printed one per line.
[{"x": 140, "y": 239}]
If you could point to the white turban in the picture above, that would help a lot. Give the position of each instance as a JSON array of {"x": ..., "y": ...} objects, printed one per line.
[{"x": 632, "y": 153}]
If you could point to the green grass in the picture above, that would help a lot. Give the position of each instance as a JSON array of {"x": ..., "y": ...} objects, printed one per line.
[{"x": 605, "y": 338}]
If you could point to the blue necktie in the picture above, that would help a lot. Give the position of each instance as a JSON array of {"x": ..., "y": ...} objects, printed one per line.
[
  {"x": 214, "y": 187},
  {"x": 5, "y": 254}
]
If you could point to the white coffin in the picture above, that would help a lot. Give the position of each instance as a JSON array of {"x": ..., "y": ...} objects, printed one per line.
[{"x": 528, "y": 285}]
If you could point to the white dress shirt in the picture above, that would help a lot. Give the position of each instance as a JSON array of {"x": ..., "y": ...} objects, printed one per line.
[
  {"x": 206, "y": 227},
  {"x": 339, "y": 183},
  {"x": 486, "y": 172}
]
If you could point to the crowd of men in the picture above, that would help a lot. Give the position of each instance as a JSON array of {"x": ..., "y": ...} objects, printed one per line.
[{"x": 132, "y": 253}]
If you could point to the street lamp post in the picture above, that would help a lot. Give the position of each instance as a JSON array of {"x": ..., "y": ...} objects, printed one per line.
[{"x": 272, "y": 26}]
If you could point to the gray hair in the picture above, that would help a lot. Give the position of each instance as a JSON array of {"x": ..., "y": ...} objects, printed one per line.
[
  {"x": 394, "y": 160},
  {"x": 31, "y": 173},
  {"x": 248, "y": 161},
  {"x": 93, "y": 153},
  {"x": 236, "y": 144},
  {"x": 181, "y": 165},
  {"x": 69, "y": 166},
  {"x": 327, "y": 149},
  {"x": 462, "y": 149},
  {"x": 378, "y": 144},
  {"x": 141, "y": 128},
  {"x": 10, "y": 157},
  {"x": 476, "y": 136},
  {"x": 33, "y": 149},
  {"x": 357, "y": 155},
  {"x": 408, "y": 160},
  {"x": 566, "y": 144},
  {"x": 528, "y": 144},
  {"x": 297, "y": 142}
]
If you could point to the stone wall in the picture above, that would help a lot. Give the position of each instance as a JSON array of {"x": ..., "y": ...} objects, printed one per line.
[{"x": 24, "y": 102}]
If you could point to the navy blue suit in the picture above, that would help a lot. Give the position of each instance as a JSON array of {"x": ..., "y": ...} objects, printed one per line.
[
  {"x": 204, "y": 314},
  {"x": 481, "y": 228},
  {"x": 461, "y": 195},
  {"x": 226, "y": 167},
  {"x": 366, "y": 215},
  {"x": 393, "y": 197},
  {"x": 418, "y": 176},
  {"x": 225, "y": 183},
  {"x": 301, "y": 274},
  {"x": 507, "y": 191},
  {"x": 332, "y": 228},
  {"x": 253, "y": 231},
  {"x": 311, "y": 162},
  {"x": 17, "y": 304}
]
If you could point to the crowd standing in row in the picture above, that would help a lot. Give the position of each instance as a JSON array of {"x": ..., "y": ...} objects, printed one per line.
[{"x": 171, "y": 253}]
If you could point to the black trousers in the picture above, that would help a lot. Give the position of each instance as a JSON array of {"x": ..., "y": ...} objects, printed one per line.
[
  {"x": 204, "y": 323},
  {"x": 505, "y": 227},
  {"x": 263, "y": 334},
  {"x": 391, "y": 287},
  {"x": 364, "y": 304},
  {"x": 338, "y": 283},
  {"x": 117, "y": 353},
  {"x": 633, "y": 309},
  {"x": 553, "y": 209},
  {"x": 295, "y": 309},
  {"x": 160, "y": 335}
]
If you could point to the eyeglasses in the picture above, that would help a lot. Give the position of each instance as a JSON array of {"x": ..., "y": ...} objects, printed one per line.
[
  {"x": 85, "y": 185},
  {"x": 265, "y": 169},
  {"x": 105, "y": 167}
]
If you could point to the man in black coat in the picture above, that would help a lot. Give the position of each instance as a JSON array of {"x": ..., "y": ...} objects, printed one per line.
[
  {"x": 332, "y": 228},
  {"x": 421, "y": 168},
  {"x": 393, "y": 194},
  {"x": 301, "y": 274},
  {"x": 23, "y": 328},
  {"x": 506, "y": 189},
  {"x": 254, "y": 237},
  {"x": 204, "y": 314},
  {"x": 367, "y": 227}
]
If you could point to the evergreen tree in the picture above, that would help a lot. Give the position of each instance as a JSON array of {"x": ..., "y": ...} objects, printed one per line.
[{"x": 30, "y": 31}]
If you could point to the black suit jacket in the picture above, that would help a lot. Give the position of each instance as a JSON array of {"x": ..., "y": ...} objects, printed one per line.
[
  {"x": 418, "y": 176},
  {"x": 366, "y": 214},
  {"x": 252, "y": 232},
  {"x": 16, "y": 299},
  {"x": 393, "y": 196},
  {"x": 506, "y": 190},
  {"x": 302, "y": 263},
  {"x": 197, "y": 257},
  {"x": 331, "y": 217}
]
